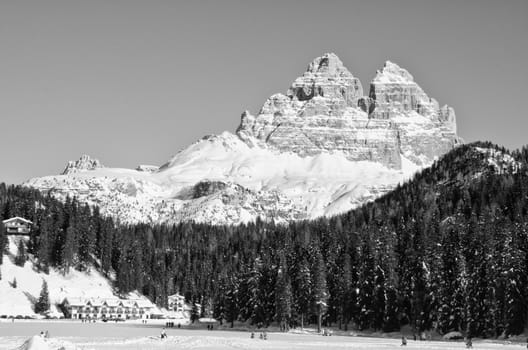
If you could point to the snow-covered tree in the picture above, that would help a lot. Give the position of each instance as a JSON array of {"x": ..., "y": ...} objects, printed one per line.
[
  {"x": 320, "y": 290},
  {"x": 43, "y": 303},
  {"x": 283, "y": 294},
  {"x": 21, "y": 256}
]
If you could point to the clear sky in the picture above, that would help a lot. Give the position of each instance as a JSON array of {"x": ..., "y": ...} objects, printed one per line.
[{"x": 132, "y": 82}]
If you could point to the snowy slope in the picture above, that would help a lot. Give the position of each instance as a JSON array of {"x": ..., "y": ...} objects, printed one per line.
[
  {"x": 20, "y": 300},
  {"x": 321, "y": 149},
  {"x": 256, "y": 182}
]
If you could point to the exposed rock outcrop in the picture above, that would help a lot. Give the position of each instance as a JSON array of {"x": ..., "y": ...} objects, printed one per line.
[
  {"x": 325, "y": 111},
  {"x": 82, "y": 164}
]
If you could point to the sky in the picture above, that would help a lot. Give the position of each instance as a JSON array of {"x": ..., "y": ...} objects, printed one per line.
[{"x": 133, "y": 82}]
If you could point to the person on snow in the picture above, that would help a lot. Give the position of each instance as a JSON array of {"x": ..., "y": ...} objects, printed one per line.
[
  {"x": 163, "y": 333},
  {"x": 469, "y": 344},
  {"x": 404, "y": 341}
]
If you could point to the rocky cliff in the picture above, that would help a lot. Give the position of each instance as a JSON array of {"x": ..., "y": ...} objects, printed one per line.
[
  {"x": 321, "y": 148},
  {"x": 82, "y": 164},
  {"x": 325, "y": 111}
]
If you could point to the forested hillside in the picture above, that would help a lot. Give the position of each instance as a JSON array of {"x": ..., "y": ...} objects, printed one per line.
[{"x": 446, "y": 251}]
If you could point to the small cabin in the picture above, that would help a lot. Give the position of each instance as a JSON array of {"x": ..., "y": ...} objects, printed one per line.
[{"x": 17, "y": 226}]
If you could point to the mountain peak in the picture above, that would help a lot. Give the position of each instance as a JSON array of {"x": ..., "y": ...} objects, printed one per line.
[
  {"x": 392, "y": 73},
  {"x": 328, "y": 64},
  {"x": 320, "y": 149},
  {"x": 85, "y": 162},
  {"x": 326, "y": 76}
]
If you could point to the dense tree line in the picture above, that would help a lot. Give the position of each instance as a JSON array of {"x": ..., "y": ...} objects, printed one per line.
[{"x": 446, "y": 251}]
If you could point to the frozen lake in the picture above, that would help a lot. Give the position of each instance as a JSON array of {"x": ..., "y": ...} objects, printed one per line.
[{"x": 144, "y": 337}]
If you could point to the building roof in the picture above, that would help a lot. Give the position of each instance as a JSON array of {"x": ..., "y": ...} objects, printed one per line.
[
  {"x": 110, "y": 302},
  {"x": 17, "y": 218},
  {"x": 96, "y": 301},
  {"x": 176, "y": 296},
  {"x": 144, "y": 303},
  {"x": 74, "y": 301}
]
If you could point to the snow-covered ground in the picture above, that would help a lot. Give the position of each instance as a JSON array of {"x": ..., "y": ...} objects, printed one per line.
[
  {"x": 256, "y": 181},
  {"x": 71, "y": 335},
  {"x": 20, "y": 300}
]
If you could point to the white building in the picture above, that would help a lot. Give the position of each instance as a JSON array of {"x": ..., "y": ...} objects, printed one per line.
[
  {"x": 17, "y": 226},
  {"x": 176, "y": 302},
  {"x": 107, "y": 308}
]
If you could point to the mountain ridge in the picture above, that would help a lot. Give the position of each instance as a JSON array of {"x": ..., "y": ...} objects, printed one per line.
[{"x": 320, "y": 149}]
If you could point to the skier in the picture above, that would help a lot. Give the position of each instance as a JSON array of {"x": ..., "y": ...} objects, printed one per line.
[
  {"x": 252, "y": 335},
  {"x": 404, "y": 341},
  {"x": 469, "y": 344},
  {"x": 163, "y": 333}
]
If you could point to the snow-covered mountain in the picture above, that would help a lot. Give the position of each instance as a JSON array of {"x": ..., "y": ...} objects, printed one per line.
[{"x": 320, "y": 149}]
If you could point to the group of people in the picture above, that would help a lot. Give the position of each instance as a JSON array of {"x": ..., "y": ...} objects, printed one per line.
[
  {"x": 171, "y": 325},
  {"x": 209, "y": 327},
  {"x": 263, "y": 335}
]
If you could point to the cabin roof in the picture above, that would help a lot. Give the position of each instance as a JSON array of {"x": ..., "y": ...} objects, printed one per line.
[
  {"x": 175, "y": 296},
  {"x": 17, "y": 218}
]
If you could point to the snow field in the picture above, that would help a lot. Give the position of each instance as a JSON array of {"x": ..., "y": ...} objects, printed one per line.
[{"x": 77, "y": 336}]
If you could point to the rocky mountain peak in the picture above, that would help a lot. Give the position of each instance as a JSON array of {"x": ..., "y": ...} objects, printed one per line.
[
  {"x": 82, "y": 164},
  {"x": 328, "y": 64},
  {"x": 321, "y": 148},
  {"x": 325, "y": 110},
  {"x": 392, "y": 73},
  {"x": 327, "y": 77}
]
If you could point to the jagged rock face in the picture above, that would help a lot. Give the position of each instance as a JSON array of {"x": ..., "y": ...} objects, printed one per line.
[
  {"x": 327, "y": 77},
  {"x": 425, "y": 131},
  {"x": 320, "y": 149},
  {"x": 325, "y": 111},
  {"x": 82, "y": 164}
]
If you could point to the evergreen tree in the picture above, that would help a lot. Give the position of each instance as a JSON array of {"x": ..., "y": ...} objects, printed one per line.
[
  {"x": 303, "y": 290},
  {"x": 195, "y": 314},
  {"x": 320, "y": 291},
  {"x": 44, "y": 244},
  {"x": 3, "y": 240},
  {"x": 283, "y": 295},
  {"x": 69, "y": 252},
  {"x": 43, "y": 303},
  {"x": 21, "y": 257},
  {"x": 232, "y": 305},
  {"x": 367, "y": 288}
]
